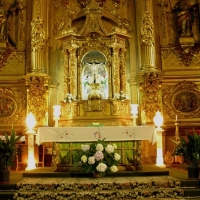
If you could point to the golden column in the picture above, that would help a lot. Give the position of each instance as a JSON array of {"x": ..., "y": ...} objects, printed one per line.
[
  {"x": 73, "y": 71},
  {"x": 38, "y": 40},
  {"x": 118, "y": 69},
  {"x": 37, "y": 78},
  {"x": 69, "y": 50},
  {"x": 122, "y": 70},
  {"x": 147, "y": 39},
  {"x": 115, "y": 71}
]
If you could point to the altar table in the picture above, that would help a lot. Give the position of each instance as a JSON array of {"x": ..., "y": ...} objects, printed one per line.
[
  {"x": 65, "y": 139},
  {"x": 89, "y": 134}
]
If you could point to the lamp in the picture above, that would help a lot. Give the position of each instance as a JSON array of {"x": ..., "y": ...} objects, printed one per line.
[
  {"x": 158, "y": 120},
  {"x": 56, "y": 114},
  {"x": 134, "y": 112},
  {"x": 30, "y": 122}
]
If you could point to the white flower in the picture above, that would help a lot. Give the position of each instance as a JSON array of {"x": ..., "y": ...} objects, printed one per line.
[
  {"x": 101, "y": 167},
  {"x": 115, "y": 146},
  {"x": 69, "y": 98},
  {"x": 84, "y": 158},
  {"x": 91, "y": 160},
  {"x": 109, "y": 148},
  {"x": 85, "y": 147},
  {"x": 117, "y": 157},
  {"x": 99, "y": 147},
  {"x": 113, "y": 168}
]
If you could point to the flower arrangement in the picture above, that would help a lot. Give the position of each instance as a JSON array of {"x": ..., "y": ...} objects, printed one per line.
[
  {"x": 69, "y": 98},
  {"x": 120, "y": 96},
  {"x": 97, "y": 158}
]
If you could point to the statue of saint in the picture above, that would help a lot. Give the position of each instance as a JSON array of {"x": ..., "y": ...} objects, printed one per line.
[
  {"x": 184, "y": 18},
  {"x": 3, "y": 21}
]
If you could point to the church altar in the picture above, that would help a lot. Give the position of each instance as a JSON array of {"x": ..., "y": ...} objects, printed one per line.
[
  {"x": 66, "y": 140},
  {"x": 89, "y": 134}
]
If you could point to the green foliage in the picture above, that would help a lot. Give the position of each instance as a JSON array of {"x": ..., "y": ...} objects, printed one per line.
[
  {"x": 8, "y": 150},
  {"x": 65, "y": 159},
  {"x": 189, "y": 149},
  {"x": 98, "y": 157}
]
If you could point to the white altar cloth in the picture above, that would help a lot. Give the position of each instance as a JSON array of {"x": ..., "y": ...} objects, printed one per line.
[{"x": 89, "y": 134}]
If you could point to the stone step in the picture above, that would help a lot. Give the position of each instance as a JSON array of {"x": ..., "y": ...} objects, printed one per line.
[
  {"x": 76, "y": 184},
  {"x": 163, "y": 193}
]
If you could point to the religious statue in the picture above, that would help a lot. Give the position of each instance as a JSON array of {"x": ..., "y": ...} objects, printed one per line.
[
  {"x": 184, "y": 18},
  {"x": 95, "y": 80},
  {"x": 3, "y": 21}
]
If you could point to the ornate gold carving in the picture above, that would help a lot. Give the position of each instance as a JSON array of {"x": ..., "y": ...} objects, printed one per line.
[
  {"x": 37, "y": 96},
  {"x": 93, "y": 23},
  {"x": 165, "y": 31},
  {"x": 12, "y": 106},
  {"x": 72, "y": 73},
  {"x": 38, "y": 33},
  {"x": 147, "y": 30},
  {"x": 122, "y": 70},
  {"x": 84, "y": 3},
  {"x": 151, "y": 99},
  {"x": 5, "y": 55},
  {"x": 182, "y": 99},
  {"x": 124, "y": 23},
  {"x": 56, "y": 3},
  {"x": 38, "y": 45},
  {"x": 19, "y": 57},
  {"x": 186, "y": 54},
  {"x": 60, "y": 24},
  {"x": 115, "y": 69},
  {"x": 94, "y": 105},
  {"x": 107, "y": 112},
  {"x": 8, "y": 104}
]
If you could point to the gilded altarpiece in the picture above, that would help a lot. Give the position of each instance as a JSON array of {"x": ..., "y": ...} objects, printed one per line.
[{"x": 94, "y": 71}]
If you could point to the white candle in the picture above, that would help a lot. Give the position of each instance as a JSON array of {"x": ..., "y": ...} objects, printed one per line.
[{"x": 176, "y": 118}]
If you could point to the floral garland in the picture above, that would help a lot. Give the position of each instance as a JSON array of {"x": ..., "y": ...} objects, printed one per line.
[
  {"x": 98, "y": 157},
  {"x": 121, "y": 96}
]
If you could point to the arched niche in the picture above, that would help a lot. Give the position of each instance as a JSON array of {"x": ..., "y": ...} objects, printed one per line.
[{"x": 94, "y": 71}]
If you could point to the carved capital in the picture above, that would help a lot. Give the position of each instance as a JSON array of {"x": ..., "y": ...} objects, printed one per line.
[
  {"x": 37, "y": 101},
  {"x": 151, "y": 98}
]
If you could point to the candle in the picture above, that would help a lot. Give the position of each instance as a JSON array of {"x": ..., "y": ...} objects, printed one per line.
[
  {"x": 12, "y": 126},
  {"x": 176, "y": 118}
]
